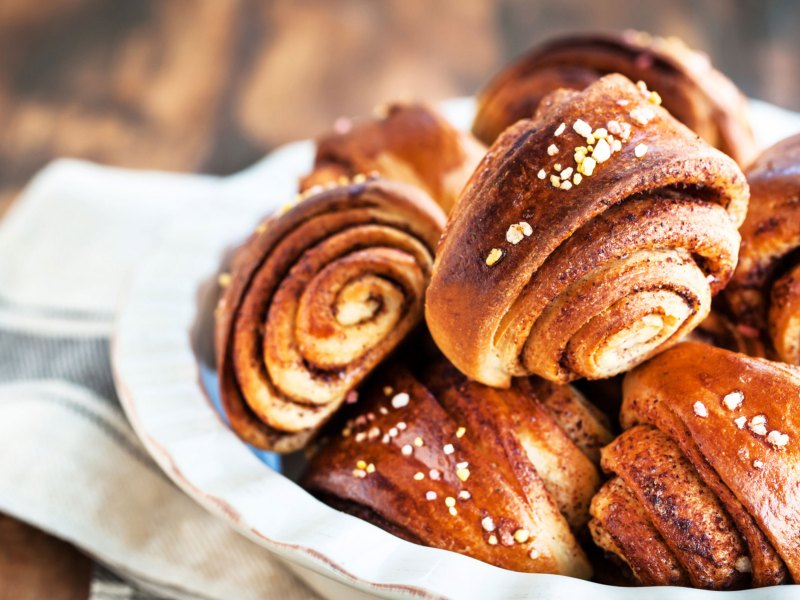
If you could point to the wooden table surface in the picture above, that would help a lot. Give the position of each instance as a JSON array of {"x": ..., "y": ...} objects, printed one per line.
[
  {"x": 204, "y": 85},
  {"x": 35, "y": 565}
]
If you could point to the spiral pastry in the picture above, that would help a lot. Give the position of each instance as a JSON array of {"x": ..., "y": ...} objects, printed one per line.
[
  {"x": 504, "y": 476},
  {"x": 764, "y": 292},
  {"x": 408, "y": 142},
  {"x": 588, "y": 239},
  {"x": 694, "y": 92},
  {"x": 705, "y": 485},
  {"x": 317, "y": 298}
]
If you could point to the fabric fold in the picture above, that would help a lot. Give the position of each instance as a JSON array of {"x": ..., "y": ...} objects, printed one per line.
[{"x": 71, "y": 465}]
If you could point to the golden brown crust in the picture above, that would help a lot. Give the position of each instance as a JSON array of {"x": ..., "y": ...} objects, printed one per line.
[
  {"x": 520, "y": 469},
  {"x": 692, "y": 90},
  {"x": 621, "y": 527},
  {"x": 764, "y": 293},
  {"x": 586, "y": 426},
  {"x": 616, "y": 267},
  {"x": 410, "y": 143},
  {"x": 318, "y": 297},
  {"x": 733, "y": 419},
  {"x": 687, "y": 515}
]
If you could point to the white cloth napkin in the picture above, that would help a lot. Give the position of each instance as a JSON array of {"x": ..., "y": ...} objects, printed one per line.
[{"x": 69, "y": 462}]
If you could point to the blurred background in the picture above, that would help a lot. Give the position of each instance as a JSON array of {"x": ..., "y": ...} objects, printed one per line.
[{"x": 212, "y": 85}]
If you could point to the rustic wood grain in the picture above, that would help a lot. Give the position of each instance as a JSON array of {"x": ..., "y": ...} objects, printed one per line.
[{"x": 211, "y": 86}]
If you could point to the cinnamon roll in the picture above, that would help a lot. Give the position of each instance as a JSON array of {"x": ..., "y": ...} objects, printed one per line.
[
  {"x": 764, "y": 292},
  {"x": 317, "y": 298},
  {"x": 705, "y": 479},
  {"x": 588, "y": 239},
  {"x": 504, "y": 476},
  {"x": 692, "y": 90},
  {"x": 409, "y": 142}
]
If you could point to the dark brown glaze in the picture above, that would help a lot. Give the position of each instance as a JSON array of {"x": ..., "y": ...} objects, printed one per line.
[
  {"x": 317, "y": 298},
  {"x": 692, "y": 90},
  {"x": 718, "y": 329},
  {"x": 764, "y": 293},
  {"x": 616, "y": 268},
  {"x": 510, "y": 461},
  {"x": 410, "y": 143},
  {"x": 736, "y": 477}
]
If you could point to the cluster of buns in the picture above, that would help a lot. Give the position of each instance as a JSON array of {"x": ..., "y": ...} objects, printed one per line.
[{"x": 428, "y": 317}]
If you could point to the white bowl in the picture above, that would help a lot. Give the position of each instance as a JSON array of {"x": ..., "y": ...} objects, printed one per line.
[{"x": 165, "y": 379}]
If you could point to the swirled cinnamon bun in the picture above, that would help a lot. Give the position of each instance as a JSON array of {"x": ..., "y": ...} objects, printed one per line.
[
  {"x": 318, "y": 297},
  {"x": 764, "y": 293},
  {"x": 692, "y": 90},
  {"x": 588, "y": 239},
  {"x": 504, "y": 476},
  {"x": 718, "y": 329},
  {"x": 409, "y": 142},
  {"x": 705, "y": 479}
]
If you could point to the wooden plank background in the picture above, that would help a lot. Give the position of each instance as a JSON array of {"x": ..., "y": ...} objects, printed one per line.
[{"x": 212, "y": 85}]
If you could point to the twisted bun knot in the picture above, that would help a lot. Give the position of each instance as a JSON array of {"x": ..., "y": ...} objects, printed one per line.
[{"x": 705, "y": 477}]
